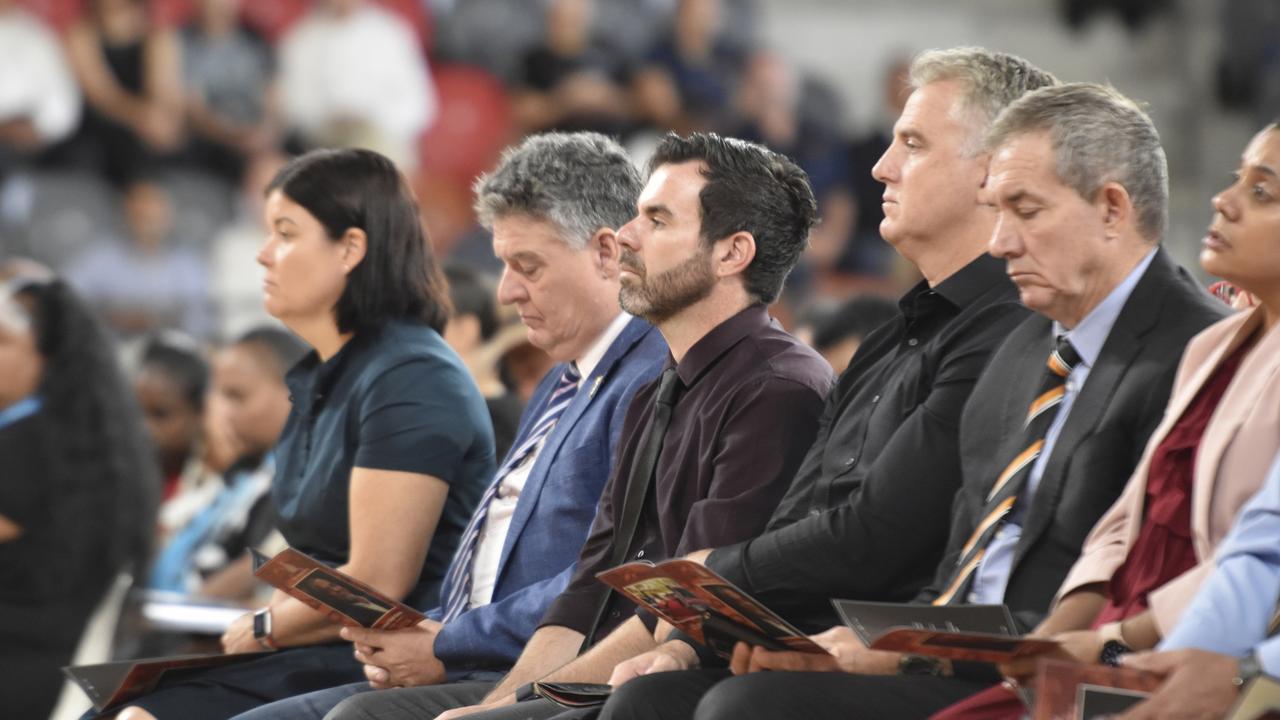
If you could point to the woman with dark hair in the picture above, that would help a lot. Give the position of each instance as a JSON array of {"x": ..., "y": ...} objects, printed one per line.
[
  {"x": 388, "y": 446},
  {"x": 79, "y": 488}
]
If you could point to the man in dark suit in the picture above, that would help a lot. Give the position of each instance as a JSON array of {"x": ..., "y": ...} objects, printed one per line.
[{"x": 1056, "y": 423}]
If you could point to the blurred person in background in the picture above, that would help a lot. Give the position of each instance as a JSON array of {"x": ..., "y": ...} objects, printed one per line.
[
  {"x": 39, "y": 98},
  {"x": 470, "y": 332},
  {"x": 130, "y": 70},
  {"x": 145, "y": 283},
  {"x": 688, "y": 80},
  {"x": 770, "y": 102},
  {"x": 78, "y": 498},
  {"x": 866, "y": 253},
  {"x": 228, "y": 75},
  {"x": 355, "y": 75},
  {"x": 209, "y": 555},
  {"x": 235, "y": 278},
  {"x": 170, "y": 383},
  {"x": 571, "y": 81},
  {"x": 388, "y": 446},
  {"x": 837, "y": 332}
]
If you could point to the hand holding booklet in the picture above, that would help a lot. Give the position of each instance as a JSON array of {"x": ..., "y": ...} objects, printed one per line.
[
  {"x": 347, "y": 600},
  {"x": 705, "y": 606}
]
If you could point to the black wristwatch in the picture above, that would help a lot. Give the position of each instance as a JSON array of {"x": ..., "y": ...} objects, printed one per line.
[
  {"x": 1248, "y": 669},
  {"x": 1112, "y": 650},
  {"x": 262, "y": 628},
  {"x": 920, "y": 665}
]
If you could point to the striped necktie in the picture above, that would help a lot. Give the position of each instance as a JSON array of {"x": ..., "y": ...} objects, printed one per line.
[
  {"x": 458, "y": 579},
  {"x": 1004, "y": 492}
]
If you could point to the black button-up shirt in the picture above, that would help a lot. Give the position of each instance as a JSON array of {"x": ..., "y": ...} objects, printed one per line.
[
  {"x": 867, "y": 515},
  {"x": 748, "y": 413}
]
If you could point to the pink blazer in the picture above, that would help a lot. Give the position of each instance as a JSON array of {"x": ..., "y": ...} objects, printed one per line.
[{"x": 1238, "y": 447}]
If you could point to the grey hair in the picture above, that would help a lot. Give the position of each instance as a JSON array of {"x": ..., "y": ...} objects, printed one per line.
[
  {"x": 991, "y": 81},
  {"x": 580, "y": 182},
  {"x": 1098, "y": 136}
]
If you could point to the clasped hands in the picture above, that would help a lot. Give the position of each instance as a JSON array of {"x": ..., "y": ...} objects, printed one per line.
[{"x": 398, "y": 658}]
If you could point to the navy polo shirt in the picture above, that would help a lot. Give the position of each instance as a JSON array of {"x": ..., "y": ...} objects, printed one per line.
[{"x": 395, "y": 398}]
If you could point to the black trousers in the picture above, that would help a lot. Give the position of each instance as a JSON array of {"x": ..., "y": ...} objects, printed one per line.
[{"x": 719, "y": 695}]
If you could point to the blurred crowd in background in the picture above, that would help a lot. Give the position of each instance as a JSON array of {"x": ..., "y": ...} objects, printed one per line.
[{"x": 136, "y": 135}]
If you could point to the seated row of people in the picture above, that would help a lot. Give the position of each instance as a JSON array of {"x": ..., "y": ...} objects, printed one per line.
[{"x": 985, "y": 445}]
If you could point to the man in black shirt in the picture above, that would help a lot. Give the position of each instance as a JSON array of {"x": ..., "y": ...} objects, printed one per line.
[
  {"x": 867, "y": 515},
  {"x": 721, "y": 222}
]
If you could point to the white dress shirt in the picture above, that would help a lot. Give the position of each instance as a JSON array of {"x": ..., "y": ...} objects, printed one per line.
[{"x": 484, "y": 566}]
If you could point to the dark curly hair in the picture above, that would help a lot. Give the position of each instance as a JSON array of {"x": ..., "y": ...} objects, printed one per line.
[{"x": 102, "y": 469}]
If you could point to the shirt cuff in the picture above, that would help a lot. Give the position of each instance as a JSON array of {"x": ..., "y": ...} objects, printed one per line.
[{"x": 1268, "y": 653}]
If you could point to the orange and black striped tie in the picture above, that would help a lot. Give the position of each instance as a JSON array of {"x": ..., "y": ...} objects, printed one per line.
[{"x": 1004, "y": 492}]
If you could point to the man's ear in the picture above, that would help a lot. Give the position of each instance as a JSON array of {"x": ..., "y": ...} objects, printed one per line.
[
  {"x": 1115, "y": 207},
  {"x": 604, "y": 250},
  {"x": 733, "y": 254},
  {"x": 355, "y": 243}
]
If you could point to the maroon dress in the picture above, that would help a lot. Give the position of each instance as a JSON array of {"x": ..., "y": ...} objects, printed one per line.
[{"x": 1163, "y": 550}]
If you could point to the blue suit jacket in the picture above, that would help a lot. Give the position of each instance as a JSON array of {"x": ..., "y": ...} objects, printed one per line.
[{"x": 555, "y": 509}]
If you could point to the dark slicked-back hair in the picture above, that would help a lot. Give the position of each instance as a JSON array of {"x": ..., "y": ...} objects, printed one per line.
[
  {"x": 398, "y": 278},
  {"x": 749, "y": 189}
]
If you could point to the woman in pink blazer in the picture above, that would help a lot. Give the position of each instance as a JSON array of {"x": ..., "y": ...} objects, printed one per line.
[{"x": 1148, "y": 555}]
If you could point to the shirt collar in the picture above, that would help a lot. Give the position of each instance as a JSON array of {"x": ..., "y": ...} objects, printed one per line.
[
  {"x": 711, "y": 346},
  {"x": 1089, "y": 336},
  {"x": 21, "y": 410},
  {"x": 594, "y": 354},
  {"x": 959, "y": 289}
]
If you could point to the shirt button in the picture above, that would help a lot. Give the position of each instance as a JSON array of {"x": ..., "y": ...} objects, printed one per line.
[
  {"x": 640, "y": 554},
  {"x": 851, "y": 461},
  {"x": 875, "y": 399},
  {"x": 815, "y": 512},
  {"x": 913, "y": 342}
]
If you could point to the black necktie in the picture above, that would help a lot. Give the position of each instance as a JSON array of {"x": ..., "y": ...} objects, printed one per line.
[
  {"x": 643, "y": 468},
  {"x": 1004, "y": 492}
]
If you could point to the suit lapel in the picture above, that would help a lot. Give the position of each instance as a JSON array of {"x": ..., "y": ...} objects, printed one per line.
[
  {"x": 530, "y": 495},
  {"x": 1139, "y": 314},
  {"x": 1241, "y": 396}
]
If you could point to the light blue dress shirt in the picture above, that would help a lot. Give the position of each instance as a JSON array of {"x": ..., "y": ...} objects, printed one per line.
[
  {"x": 21, "y": 410},
  {"x": 992, "y": 575},
  {"x": 1235, "y": 605}
]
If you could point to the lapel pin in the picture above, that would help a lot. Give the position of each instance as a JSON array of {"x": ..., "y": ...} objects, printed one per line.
[{"x": 596, "y": 385}]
